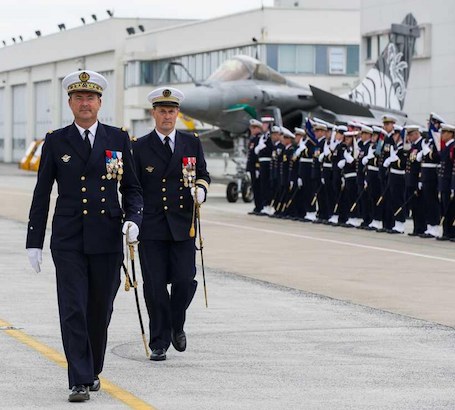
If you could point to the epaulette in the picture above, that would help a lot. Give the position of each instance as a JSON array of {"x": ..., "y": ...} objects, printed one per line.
[
  {"x": 196, "y": 134},
  {"x": 133, "y": 138},
  {"x": 123, "y": 129},
  {"x": 50, "y": 131}
]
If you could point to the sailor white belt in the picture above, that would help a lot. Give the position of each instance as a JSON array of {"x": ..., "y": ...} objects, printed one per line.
[
  {"x": 265, "y": 159},
  {"x": 397, "y": 171},
  {"x": 425, "y": 165},
  {"x": 306, "y": 160},
  {"x": 350, "y": 175},
  {"x": 372, "y": 168},
  {"x": 327, "y": 165}
]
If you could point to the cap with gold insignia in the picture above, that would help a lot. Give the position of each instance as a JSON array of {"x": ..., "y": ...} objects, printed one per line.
[
  {"x": 319, "y": 126},
  {"x": 255, "y": 123},
  {"x": 86, "y": 81},
  {"x": 166, "y": 96},
  {"x": 447, "y": 127},
  {"x": 388, "y": 118},
  {"x": 436, "y": 117}
]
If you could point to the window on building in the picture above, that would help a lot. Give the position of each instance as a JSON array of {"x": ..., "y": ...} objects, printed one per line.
[
  {"x": 368, "y": 47},
  {"x": 337, "y": 60}
]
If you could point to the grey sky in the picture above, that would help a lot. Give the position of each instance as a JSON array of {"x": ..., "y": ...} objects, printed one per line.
[{"x": 23, "y": 17}]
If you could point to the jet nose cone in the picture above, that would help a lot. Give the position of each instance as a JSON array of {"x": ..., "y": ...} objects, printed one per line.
[{"x": 196, "y": 102}]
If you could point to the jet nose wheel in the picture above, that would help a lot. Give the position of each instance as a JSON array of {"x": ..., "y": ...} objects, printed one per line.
[
  {"x": 247, "y": 192},
  {"x": 232, "y": 192}
]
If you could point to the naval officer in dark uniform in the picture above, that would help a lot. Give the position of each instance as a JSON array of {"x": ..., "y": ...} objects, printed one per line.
[
  {"x": 89, "y": 161},
  {"x": 172, "y": 170}
]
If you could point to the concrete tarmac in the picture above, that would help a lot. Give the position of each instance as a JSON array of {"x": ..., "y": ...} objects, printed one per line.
[{"x": 300, "y": 316}]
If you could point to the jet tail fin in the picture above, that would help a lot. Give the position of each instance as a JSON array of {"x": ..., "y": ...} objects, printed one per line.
[{"x": 385, "y": 84}]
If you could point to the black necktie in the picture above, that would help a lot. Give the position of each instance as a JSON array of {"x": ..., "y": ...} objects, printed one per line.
[
  {"x": 87, "y": 141},
  {"x": 167, "y": 146}
]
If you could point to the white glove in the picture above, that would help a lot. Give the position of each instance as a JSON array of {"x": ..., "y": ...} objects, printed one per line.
[
  {"x": 419, "y": 186},
  {"x": 35, "y": 256},
  {"x": 132, "y": 233},
  {"x": 341, "y": 163},
  {"x": 343, "y": 182},
  {"x": 299, "y": 182},
  {"x": 321, "y": 157},
  {"x": 425, "y": 147},
  {"x": 326, "y": 150},
  {"x": 257, "y": 173},
  {"x": 387, "y": 162},
  {"x": 291, "y": 185},
  {"x": 393, "y": 155},
  {"x": 419, "y": 156},
  {"x": 348, "y": 157},
  {"x": 371, "y": 150},
  {"x": 200, "y": 195},
  {"x": 365, "y": 160},
  {"x": 452, "y": 194},
  {"x": 322, "y": 181},
  {"x": 365, "y": 184},
  {"x": 261, "y": 145}
]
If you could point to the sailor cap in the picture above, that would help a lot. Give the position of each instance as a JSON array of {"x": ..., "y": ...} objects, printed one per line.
[
  {"x": 351, "y": 133},
  {"x": 267, "y": 118},
  {"x": 287, "y": 133},
  {"x": 319, "y": 126},
  {"x": 397, "y": 128},
  {"x": 447, "y": 127},
  {"x": 379, "y": 130},
  {"x": 255, "y": 123},
  {"x": 86, "y": 81},
  {"x": 412, "y": 128},
  {"x": 366, "y": 128},
  {"x": 354, "y": 124},
  {"x": 299, "y": 131},
  {"x": 341, "y": 129},
  {"x": 276, "y": 128},
  {"x": 166, "y": 96},
  {"x": 436, "y": 117},
  {"x": 389, "y": 118}
]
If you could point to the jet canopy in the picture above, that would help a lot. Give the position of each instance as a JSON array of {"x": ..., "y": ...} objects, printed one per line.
[{"x": 245, "y": 68}]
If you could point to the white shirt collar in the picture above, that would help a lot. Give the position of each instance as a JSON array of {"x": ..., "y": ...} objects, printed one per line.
[
  {"x": 171, "y": 136},
  {"x": 92, "y": 130}
]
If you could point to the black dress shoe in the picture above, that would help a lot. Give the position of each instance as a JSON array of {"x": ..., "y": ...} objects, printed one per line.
[
  {"x": 158, "y": 355},
  {"x": 426, "y": 236},
  {"x": 178, "y": 340},
  {"x": 79, "y": 393},
  {"x": 96, "y": 384},
  {"x": 413, "y": 234},
  {"x": 443, "y": 238}
]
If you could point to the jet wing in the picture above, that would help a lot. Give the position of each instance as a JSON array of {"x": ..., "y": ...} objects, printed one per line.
[{"x": 339, "y": 105}]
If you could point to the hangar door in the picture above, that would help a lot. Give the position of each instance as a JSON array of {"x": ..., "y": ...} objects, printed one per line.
[
  {"x": 19, "y": 120},
  {"x": 43, "y": 115}
]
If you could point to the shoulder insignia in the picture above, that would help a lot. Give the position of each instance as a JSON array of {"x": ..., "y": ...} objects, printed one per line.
[
  {"x": 50, "y": 131},
  {"x": 133, "y": 138},
  {"x": 123, "y": 129},
  {"x": 196, "y": 134}
]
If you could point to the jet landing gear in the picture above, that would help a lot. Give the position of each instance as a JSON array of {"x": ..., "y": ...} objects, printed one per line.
[
  {"x": 241, "y": 184},
  {"x": 232, "y": 191}
]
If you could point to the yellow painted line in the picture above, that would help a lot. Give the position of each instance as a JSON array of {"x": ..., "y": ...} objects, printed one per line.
[{"x": 115, "y": 391}]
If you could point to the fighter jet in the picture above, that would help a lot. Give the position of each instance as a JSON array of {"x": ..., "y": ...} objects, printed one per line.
[{"x": 243, "y": 88}]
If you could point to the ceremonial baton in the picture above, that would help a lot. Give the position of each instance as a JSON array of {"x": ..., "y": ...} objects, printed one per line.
[
  {"x": 446, "y": 212},
  {"x": 130, "y": 247},
  {"x": 315, "y": 197},
  {"x": 339, "y": 199},
  {"x": 405, "y": 203},
  {"x": 127, "y": 278},
  {"x": 291, "y": 199}
]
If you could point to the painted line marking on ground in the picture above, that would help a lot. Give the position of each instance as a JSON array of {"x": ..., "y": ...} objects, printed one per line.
[{"x": 53, "y": 355}]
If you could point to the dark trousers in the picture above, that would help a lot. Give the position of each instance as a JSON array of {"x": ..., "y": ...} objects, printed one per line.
[
  {"x": 431, "y": 202},
  {"x": 448, "y": 212},
  {"x": 86, "y": 288},
  {"x": 349, "y": 197},
  {"x": 265, "y": 183},
  {"x": 397, "y": 196},
  {"x": 257, "y": 193},
  {"x": 166, "y": 262},
  {"x": 374, "y": 192},
  {"x": 416, "y": 206}
]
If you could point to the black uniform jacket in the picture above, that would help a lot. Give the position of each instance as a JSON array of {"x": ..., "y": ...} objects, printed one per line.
[
  {"x": 88, "y": 215},
  {"x": 168, "y": 204}
]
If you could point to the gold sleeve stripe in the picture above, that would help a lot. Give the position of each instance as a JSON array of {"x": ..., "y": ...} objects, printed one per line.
[{"x": 203, "y": 182}]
